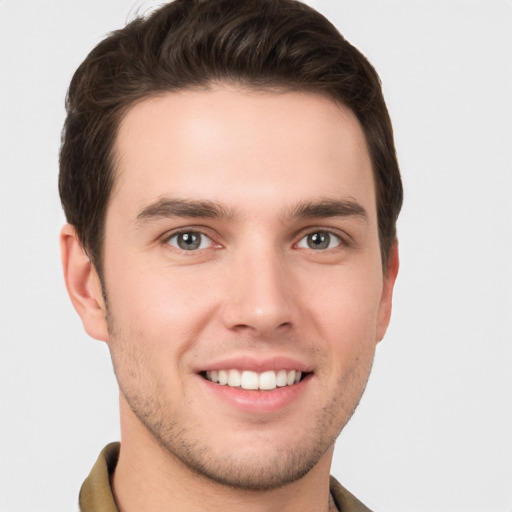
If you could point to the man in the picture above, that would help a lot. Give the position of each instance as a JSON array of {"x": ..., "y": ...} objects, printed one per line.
[{"x": 229, "y": 177}]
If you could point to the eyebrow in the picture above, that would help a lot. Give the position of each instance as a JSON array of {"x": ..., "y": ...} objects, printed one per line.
[
  {"x": 186, "y": 208},
  {"x": 171, "y": 208},
  {"x": 325, "y": 208}
]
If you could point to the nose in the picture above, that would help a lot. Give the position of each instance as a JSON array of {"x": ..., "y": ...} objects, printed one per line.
[{"x": 259, "y": 294}]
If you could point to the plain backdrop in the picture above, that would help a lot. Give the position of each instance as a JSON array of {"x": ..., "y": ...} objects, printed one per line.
[{"x": 434, "y": 430}]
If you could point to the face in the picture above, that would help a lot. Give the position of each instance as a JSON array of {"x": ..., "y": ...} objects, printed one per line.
[{"x": 243, "y": 278}]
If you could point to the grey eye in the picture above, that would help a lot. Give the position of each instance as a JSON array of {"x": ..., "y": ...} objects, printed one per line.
[
  {"x": 189, "y": 241},
  {"x": 319, "y": 240}
]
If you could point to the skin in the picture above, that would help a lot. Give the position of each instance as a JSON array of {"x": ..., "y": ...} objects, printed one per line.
[{"x": 255, "y": 288}]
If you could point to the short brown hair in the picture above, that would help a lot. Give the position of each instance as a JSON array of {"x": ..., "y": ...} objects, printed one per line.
[{"x": 276, "y": 44}]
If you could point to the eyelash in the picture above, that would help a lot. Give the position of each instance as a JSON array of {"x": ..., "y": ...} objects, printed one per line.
[
  {"x": 176, "y": 234},
  {"x": 341, "y": 240},
  {"x": 330, "y": 235}
]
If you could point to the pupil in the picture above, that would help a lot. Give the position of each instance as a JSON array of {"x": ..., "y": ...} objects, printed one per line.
[
  {"x": 189, "y": 241},
  {"x": 319, "y": 240}
]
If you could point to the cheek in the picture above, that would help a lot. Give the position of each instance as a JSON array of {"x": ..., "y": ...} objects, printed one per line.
[
  {"x": 344, "y": 305},
  {"x": 161, "y": 309},
  {"x": 345, "y": 321}
]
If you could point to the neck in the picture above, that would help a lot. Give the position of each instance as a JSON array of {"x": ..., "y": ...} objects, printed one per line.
[{"x": 149, "y": 478}]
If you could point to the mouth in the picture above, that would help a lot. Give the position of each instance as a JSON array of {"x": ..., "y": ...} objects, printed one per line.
[
  {"x": 258, "y": 387},
  {"x": 255, "y": 381}
]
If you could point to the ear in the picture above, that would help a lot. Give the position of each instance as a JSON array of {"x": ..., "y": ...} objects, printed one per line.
[
  {"x": 83, "y": 284},
  {"x": 387, "y": 292}
]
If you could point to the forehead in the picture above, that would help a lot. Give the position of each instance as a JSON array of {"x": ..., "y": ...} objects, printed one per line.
[{"x": 232, "y": 145}]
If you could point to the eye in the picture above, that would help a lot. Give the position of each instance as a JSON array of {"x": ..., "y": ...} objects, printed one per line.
[
  {"x": 189, "y": 241},
  {"x": 319, "y": 241}
]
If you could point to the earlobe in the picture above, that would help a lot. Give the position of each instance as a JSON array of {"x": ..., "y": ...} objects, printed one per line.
[
  {"x": 387, "y": 292},
  {"x": 83, "y": 284}
]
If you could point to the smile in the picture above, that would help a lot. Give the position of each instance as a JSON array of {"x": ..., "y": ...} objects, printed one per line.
[{"x": 251, "y": 380}]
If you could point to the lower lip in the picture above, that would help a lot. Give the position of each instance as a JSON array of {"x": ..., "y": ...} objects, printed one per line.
[{"x": 258, "y": 402}]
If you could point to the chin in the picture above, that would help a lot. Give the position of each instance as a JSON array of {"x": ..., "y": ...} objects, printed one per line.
[
  {"x": 255, "y": 461},
  {"x": 253, "y": 472}
]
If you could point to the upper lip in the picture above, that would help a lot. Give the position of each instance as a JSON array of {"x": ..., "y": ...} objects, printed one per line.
[{"x": 257, "y": 364}]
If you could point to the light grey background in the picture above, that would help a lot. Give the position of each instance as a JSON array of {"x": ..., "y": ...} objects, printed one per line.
[{"x": 434, "y": 430}]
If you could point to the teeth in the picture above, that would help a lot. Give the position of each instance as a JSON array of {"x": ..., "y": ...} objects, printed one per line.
[
  {"x": 249, "y": 380},
  {"x": 268, "y": 380},
  {"x": 233, "y": 378},
  {"x": 281, "y": 378},
  {"x": 223, "y": 377},
  {"x": 252, "y": 380}
]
